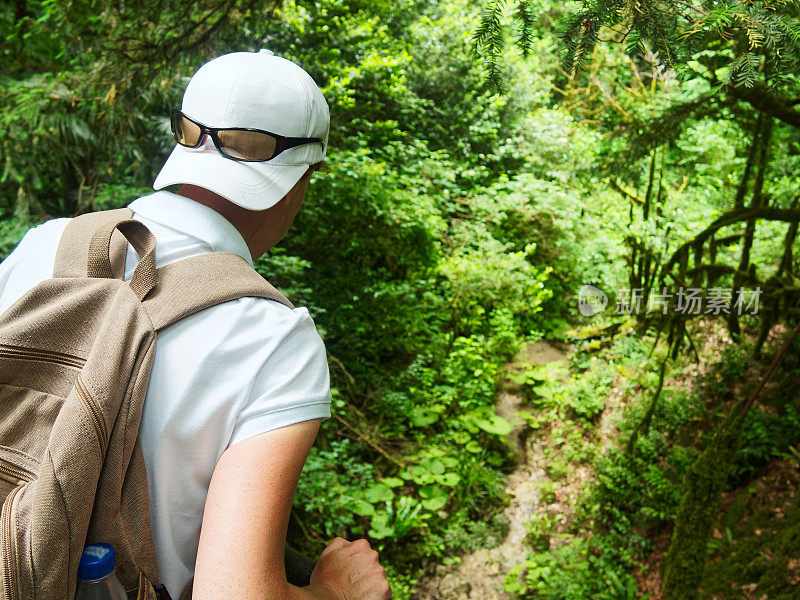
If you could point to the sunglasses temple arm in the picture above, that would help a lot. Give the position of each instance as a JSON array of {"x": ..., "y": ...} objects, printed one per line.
[{"x": 292, "y": 142}]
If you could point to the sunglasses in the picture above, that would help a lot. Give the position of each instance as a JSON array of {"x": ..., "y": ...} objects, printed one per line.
[{"x": 236, "y": 143}]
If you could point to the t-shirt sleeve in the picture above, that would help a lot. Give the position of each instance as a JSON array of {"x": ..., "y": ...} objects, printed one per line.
[{"x": 292, "y": 385}]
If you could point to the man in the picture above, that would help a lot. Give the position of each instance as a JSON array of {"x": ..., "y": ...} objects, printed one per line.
[{"x": 237, "y": 391}]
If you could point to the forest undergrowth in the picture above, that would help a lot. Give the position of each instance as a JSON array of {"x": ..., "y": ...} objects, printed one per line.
[
  {"x": 479, "y": 574},
  {"x": 605, "y": 515}
]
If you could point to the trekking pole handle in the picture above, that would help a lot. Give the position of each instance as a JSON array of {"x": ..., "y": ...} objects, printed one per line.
[{"x": 98, "y": 262}]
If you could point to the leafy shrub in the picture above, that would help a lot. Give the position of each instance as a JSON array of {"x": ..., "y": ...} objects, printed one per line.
[
  {"x": 539, "y": 529},
  {"x": 572, "y": 571},
  {"x": 11, "y": 231},
  {"x": 764, "y": 436},
  {"x": 587, "y": 395},
  {"x": 730, "y": 367}
]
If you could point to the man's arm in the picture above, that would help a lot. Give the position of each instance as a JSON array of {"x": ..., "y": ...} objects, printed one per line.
[{"x": 240, "y": 554}]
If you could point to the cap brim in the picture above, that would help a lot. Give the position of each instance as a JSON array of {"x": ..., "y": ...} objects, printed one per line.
[{"x": 251, "y": 185}]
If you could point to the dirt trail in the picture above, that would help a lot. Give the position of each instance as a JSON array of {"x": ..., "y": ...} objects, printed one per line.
[{"x": 480, "y": 574}]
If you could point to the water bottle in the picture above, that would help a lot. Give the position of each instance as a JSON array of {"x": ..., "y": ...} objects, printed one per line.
[{"x": 96, "y": 579}]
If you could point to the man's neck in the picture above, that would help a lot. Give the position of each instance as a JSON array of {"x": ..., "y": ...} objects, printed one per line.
[
  {"x": 246, "y": 222},
  {"x": 261, "y": 229}
]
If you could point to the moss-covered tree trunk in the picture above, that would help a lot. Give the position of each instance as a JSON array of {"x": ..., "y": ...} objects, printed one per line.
[
  {"x": 703, "y": 485},
  {"x": 758, "y": 199}
]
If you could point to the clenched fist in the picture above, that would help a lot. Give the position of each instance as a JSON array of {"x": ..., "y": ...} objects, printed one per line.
[{"x": 352, "y": 571}]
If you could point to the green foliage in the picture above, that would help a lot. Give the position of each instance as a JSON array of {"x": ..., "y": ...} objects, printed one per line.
[
  {"x": 587, "y": 397},
  {"x": 489, "y": 36},
  {"x": 85, "y": 89},
  {"x": 334, "y": 481},
  {"x": 758, "y": 37},
  {"x": 652, "y": 22},
  {"x": 765, "y": 436},
  {"x": 570, "y": 572},
  {"x": 11, "y": 231},
  {"x": 539, "y": 529},
  {"x": 629, "y": 495},
  {"x": 730, "y": 367}
]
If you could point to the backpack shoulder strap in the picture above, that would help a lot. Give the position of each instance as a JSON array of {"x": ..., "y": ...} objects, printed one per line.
[
  {"x": 73, "y": 248},
  {"x": 192, "y": 284}
]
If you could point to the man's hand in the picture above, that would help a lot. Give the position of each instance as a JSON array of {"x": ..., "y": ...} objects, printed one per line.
[{"x": 352, "y": 571}]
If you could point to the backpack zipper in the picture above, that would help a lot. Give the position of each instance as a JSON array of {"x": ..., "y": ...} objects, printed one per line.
[
  {"x": 9, "y": 562},
  {"x": 60, "y": 358},
  {"x": 97, "y": 416},
  {"x": 14, "y": 473},
  {"x": 20, "y": 476}
]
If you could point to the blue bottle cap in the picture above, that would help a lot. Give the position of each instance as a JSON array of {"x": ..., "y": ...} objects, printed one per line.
[{"x": 97, "y": 561}]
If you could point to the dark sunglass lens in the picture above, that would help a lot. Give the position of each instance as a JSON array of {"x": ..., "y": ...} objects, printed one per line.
[
  {"x": 186, "y": 133},
  {"x": 247, "y": 145}
]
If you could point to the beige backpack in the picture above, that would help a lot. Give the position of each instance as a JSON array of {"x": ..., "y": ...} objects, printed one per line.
[{"x": 75, "y": 359}]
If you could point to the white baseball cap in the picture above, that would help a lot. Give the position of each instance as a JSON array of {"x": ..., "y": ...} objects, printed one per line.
[{"x": 254, "y": 90}]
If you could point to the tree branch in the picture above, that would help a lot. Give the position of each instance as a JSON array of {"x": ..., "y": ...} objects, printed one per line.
[
  {"x": 626, "y": 192},
  {"x": 735, "y": 216},
  {"x": 762, "y": 99}
]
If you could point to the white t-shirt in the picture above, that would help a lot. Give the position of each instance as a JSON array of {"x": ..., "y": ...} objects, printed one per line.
[{"x": 219, "y": 376}]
